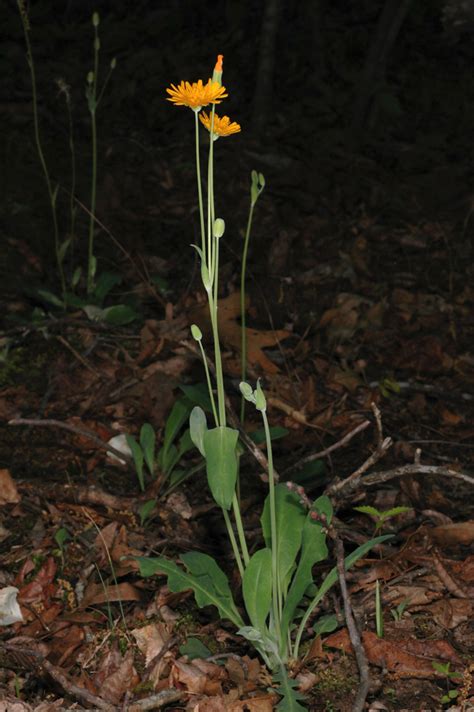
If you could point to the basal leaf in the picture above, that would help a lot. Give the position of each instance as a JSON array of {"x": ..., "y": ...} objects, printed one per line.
[
  {"x": 221, "y": 463},
  {"x": 257, "y": 588},
  {"x": 147, "y": 441}
]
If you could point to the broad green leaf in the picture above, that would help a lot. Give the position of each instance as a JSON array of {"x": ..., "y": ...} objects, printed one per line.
[
  {"x": 137, "y": 454},
  {"x": 221, "y": 463},
  {"x": 119, "y": 315},
  {"x": 198, "y": 427},
  {"x": 147, "y": 441},
  {"x": 313, "y": 549},
  {"x": 325, "y": 624},
  {"x": 203, "y": 576},
  {"x": 290, "y": 519},
  {"x": 194, "y": 648},
  {"x": 257, "y": 588},
  {"x": 323, "y": 505}
]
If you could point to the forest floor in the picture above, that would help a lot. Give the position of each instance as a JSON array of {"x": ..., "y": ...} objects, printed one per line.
[{"x": 360, "y": 301}]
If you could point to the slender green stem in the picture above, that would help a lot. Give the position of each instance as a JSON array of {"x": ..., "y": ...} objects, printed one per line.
[
  {"x": 277, "y": 601},
  {"x": 233, "y": 542},
  {"x": 39, "y": 147},
  {"x": 240, "y": 529},
  {"x": 199, "y": 186},
  {"x": 243, "y": 320},
  {"x": 72, "y": 205},
  {"x": 209, "y": 384},
  {"x": 93, "y": 109}
]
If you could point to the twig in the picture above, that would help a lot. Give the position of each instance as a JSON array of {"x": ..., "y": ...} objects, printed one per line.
[
  {"x": 364, "y": 679},
  {"x": 77, "y": 355},
  {"x": 376, "y": 478},
  {"x": 353, "y": 482},
  {"x": 52, "y": 423},
  {"x": 155, "y": 702},
  {"x": 79, "y": 693},
  {"x": 323, "y": 453}
]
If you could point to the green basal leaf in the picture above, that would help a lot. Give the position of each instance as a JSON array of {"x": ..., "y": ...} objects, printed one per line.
[
  {"x": 221, "y": 463},
  {"x": 168, "y": 459},
  {"x": 185, "y": 443},
  {"x": 257, "y": 588},
  {"x": 198, "y": 428},
  {"x": 310, "y": 473},
  {"x": 290, "y": 519},
  {"x": 147, "y": 441},
  {"x": 313, "y": 549},
  {"x": 175, "y": 421},
  {"x": 137, "y": 454},
  {"x": 290, "y": 696},
  {"x": 203, "y": 576},
  {"x": 63, "y": 248},
  {"x": 49, "y": 297},
  {"x": 325, "y": 624},
  {"x": 119, "y": 315},
  {"x": 194, "y": 648}
]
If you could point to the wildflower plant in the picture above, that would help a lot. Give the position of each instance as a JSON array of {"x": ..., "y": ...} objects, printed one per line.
[{"x": 278, "y": 590}]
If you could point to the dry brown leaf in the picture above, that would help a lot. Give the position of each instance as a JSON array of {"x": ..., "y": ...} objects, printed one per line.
[
  {"x": 408, "y": 657},
  {"x": 193, "y": 678},
  {"x": 120, "y": 678},
  {"x": 450, "y": 612},
  {"x": 151, "y": 639},
  {"x": 451, "y": 534},
  {"x": 97, "y": 593},
  {"x": 8, "y": 491}
]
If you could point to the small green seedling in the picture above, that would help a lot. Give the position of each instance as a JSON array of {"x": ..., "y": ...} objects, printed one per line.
[
  {"x": 397, "y": 613},
  {"x": 451, "y": 677},
  {"x": 381, "y": 517},
  {"x": 61, "y": 537}
]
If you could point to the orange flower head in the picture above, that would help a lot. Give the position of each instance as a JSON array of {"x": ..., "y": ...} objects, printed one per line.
[
  {"x": 197, "y": 94},
  {"x": 222, "y": 126}
]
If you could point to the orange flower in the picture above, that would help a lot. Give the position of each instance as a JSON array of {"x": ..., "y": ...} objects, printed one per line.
[
  {"x": 222, "y": 126},
  {"x": 197, "y": 94}
]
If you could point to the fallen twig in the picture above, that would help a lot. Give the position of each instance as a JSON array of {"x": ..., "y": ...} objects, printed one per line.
[
  {"x": 364, "y": 679},
  {"x": 323, "y": 453}
]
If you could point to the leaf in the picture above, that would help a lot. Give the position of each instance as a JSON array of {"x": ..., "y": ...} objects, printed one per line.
[
  {"x": 371, "y": 511},
  {"x": 277, "y": 432},
  {"x": 194, "y": 648},
  {"x": 105, "y": 282},
  {"x": 63, "y": 248},
  {"x": 147, "y": 441},
  {"x": 175, "y": 421},
  {"x": 309, "y": 473},
  {"x": 185, "y": 443},
  {"x": 146, "y": 509},
  {"x": 313, "y": 549},
  {"x": 198, "y": 428},
  {"x": 257, "y": 588},
  {"x": 198, "y": 395},
  {"x": 290, "y": 696},
  {"x": 325, "y": 624},
  {"x": 137, "y": 454},
  {"x": 49, "y": 297},
  {"x": 221, "y": 463},
  {"x": 290, "y": 519},
  {"x": 204, "y": 577},
  {"x": 323, "y": 505},
  {"x": 119, "y": 315}
]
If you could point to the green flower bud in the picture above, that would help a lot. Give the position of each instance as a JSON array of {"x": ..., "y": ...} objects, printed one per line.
[
  {"x": 90, "y": 78},
  {"x": 196, "y": 332},
  {"x": 95, "y": 19},
  {"x": 219, "y": 227},
  {"x": 113, "y": 63}
]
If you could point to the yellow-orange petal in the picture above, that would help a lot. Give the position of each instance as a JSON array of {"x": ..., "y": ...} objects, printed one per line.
[
  {"x": 197, "y": 94},
  {"x": 223, "y": 126}
]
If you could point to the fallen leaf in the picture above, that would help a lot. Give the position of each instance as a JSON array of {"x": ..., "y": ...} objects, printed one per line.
[
  {"x": 451, "y": 534},
  {"x": 8, "y": 491}
]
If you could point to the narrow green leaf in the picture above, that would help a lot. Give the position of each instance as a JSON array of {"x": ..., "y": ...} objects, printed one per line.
[
  {"x": 203, "y": 576},
  {"x": 147, "y": 441},
  {"x": 63, "y": 248},
  {"x": 137, "y": 454},
  {"x": 175, "y": 421},
  {"x": 221, "y": 463},
  {"x": 257, "y": 588}
]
